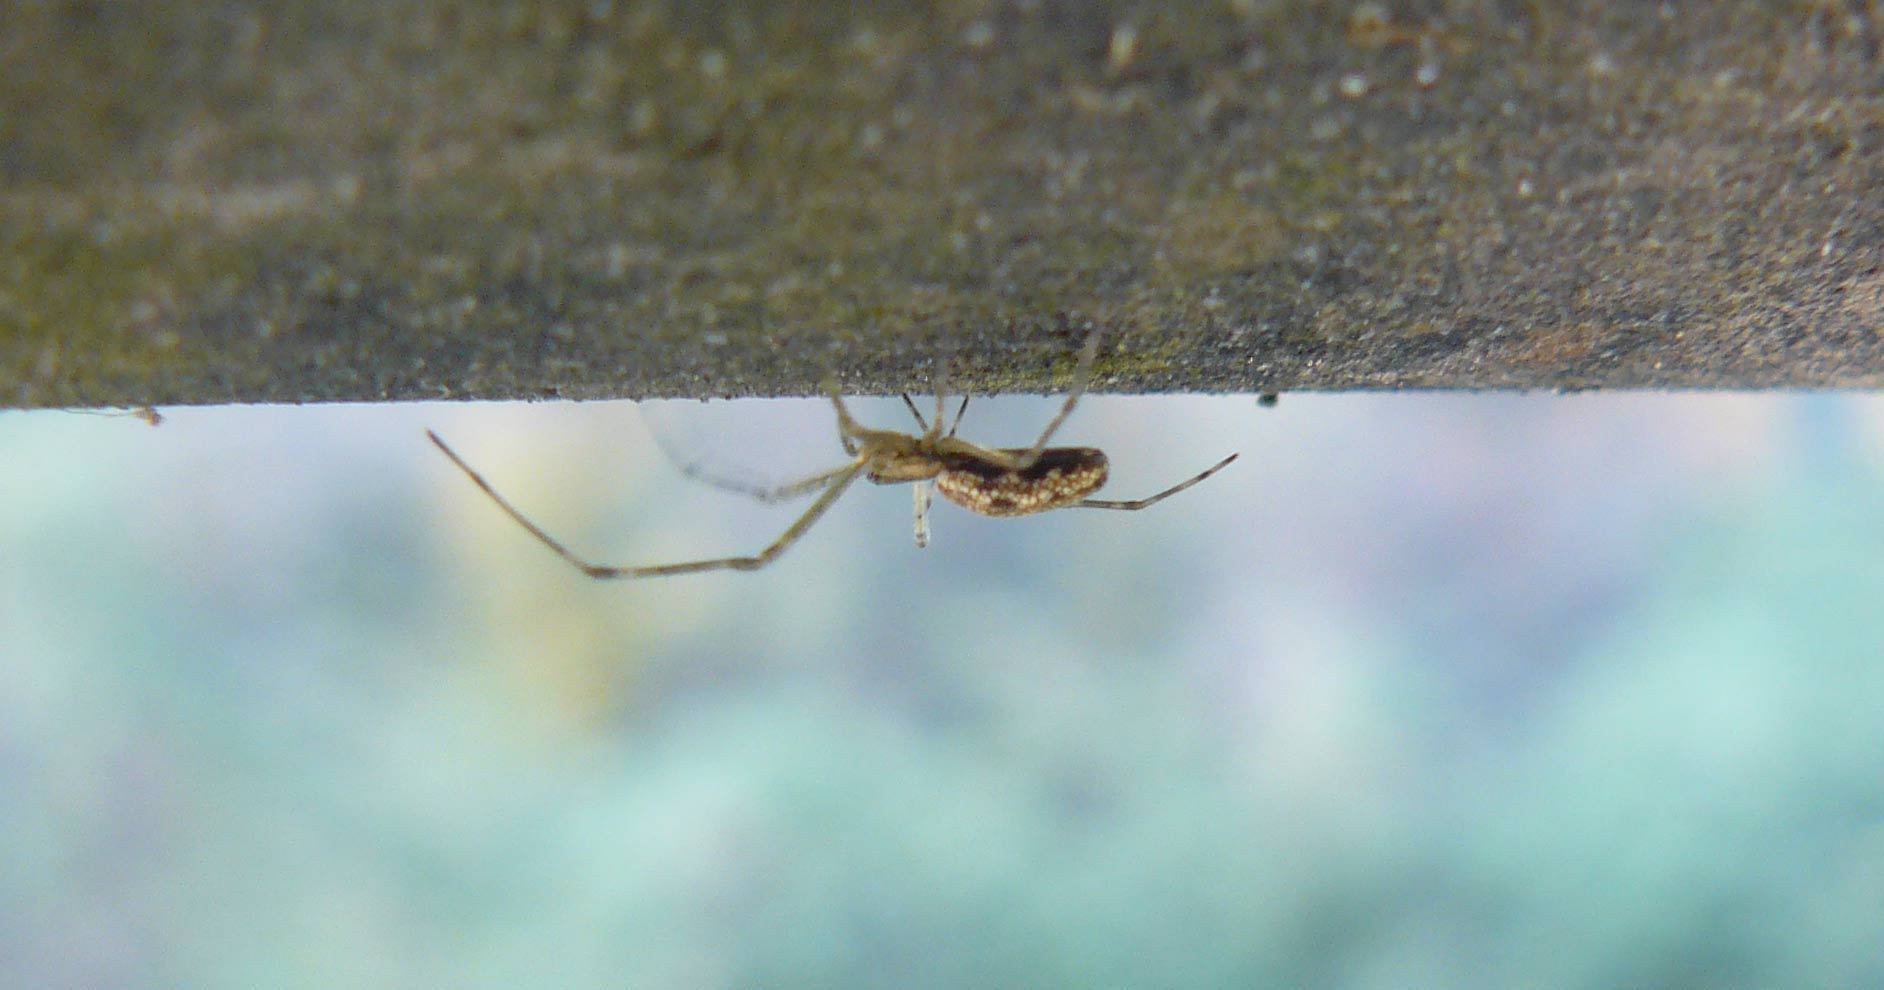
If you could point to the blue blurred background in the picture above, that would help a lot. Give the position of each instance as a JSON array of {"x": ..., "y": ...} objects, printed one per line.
[{"x": 1424, "y": 691}]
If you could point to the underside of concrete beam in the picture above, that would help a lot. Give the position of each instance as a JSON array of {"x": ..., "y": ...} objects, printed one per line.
[{"x": 333, "y": 201}]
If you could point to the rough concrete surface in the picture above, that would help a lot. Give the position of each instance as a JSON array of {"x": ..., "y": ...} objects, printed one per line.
[{"x": 312, "y": 201}]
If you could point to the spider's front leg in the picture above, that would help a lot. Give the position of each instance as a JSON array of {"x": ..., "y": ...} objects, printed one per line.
[{"x": 849, "y": 431}]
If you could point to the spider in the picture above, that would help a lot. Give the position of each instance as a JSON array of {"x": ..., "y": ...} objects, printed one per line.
[{"x": 1013, "y": 481}]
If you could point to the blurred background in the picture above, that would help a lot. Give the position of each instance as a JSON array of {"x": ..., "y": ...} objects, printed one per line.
[{"x": 1423, "y": 691}]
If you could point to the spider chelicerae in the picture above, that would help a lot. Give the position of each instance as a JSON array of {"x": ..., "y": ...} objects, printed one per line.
[{"x": 1013, "y": 481}]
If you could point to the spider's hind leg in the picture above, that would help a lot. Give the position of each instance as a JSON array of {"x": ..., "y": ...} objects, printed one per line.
[
  {"x": 1082, "y": 376},
  {"x": 1133, "y": 505}
]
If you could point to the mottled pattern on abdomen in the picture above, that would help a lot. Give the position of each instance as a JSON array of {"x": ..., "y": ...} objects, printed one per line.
[{"x": 1060, "y": 477}]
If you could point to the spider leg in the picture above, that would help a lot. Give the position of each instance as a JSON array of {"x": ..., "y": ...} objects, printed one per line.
[
  {"x": 768, "y": 494},
  {"x": 921, "y": 423},
  {"x": 923, "y": 496},
  {"x": 839, "y": 482},
  {"x": 1082, "y": 376},
  {"x": 1136, "y": 504},
  {"x": 848, "y": 429},
  {"x": 959, "y": 410},
  {"x": 941, "y": 392}
]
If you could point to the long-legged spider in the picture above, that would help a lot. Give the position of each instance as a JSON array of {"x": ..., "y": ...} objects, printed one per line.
[{"x": 1013, "y": 481}]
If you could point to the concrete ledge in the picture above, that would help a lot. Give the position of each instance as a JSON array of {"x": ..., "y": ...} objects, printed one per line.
[{"x": 327, "y": 201}]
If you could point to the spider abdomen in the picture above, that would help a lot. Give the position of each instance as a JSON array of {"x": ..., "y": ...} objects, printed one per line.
[{"x": 1059, "y": 477}]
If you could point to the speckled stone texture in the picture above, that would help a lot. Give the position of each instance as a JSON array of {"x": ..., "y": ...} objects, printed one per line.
[{"x": 325, "y": 201}]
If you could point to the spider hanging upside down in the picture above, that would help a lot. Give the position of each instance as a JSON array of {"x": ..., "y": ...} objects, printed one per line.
[{"x": 993, "y": 482}]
